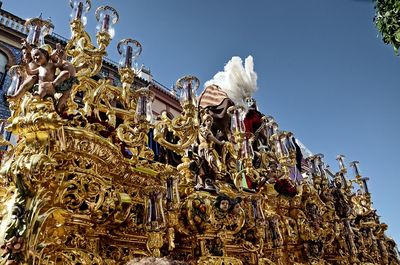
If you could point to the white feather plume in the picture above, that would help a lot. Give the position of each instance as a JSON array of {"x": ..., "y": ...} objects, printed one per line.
[{"x": 236, "y": 80}]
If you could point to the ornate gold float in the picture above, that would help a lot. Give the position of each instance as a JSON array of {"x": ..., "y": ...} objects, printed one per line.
[{"x": 82, "y": 186}]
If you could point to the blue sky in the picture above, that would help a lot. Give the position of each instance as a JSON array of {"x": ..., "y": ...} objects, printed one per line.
[{"x": 323, "y": 72}]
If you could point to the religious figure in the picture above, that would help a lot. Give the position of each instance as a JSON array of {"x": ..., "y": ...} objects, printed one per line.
[{"x": 207, "y": 152}]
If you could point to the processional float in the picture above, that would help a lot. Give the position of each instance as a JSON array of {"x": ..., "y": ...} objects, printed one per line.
[{"x": 83, "y": 186}]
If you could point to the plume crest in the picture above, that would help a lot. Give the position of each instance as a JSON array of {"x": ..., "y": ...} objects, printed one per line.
[{"x": 237, "y": 80}]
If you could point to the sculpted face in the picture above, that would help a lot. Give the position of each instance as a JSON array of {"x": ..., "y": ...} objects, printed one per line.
[
  {"x": 26, "y": 55},
  {"x": 224, "y": 205},
  {"x": 39, "y": 57},
  {"x": 251, "y": 103},
  {"x": 208, "y": 122},
  {"x": 236, "y": 209}
]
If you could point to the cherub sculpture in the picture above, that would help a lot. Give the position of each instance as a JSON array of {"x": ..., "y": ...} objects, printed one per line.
[
  {"x": 67, "y": 73},
  {"x": 41, "y": 67},
  {"x": 228, "y": 214}
]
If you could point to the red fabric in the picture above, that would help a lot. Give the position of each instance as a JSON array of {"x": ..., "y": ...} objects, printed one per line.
[{"x": 252, "y": 121}]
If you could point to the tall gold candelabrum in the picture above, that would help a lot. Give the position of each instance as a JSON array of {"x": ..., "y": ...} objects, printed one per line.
[
  {"x": 134, "y": 130},
  {"x": 285, "y": 151},
  {"x": 317, "y": 170},
  {"x": 243, "y": 147},
  {"x": 342, "y": 173},
  {"x": 361, "y": 181},
  {"x": 129, "y": 49},
  {"x": 181, "y": 132}
]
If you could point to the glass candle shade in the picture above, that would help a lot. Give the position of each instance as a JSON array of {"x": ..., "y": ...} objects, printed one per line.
[
  {"x": 37, "y": 30},
  {"x": 291, "y": 144},
  {"x": 144, "y": 105},
  {"x": 275, "y": 128},
  {"x": 79, "y": 10},
  {"x": 365, "y": 185},
  {"x": 237, "y": 118},
  {"x": 16, "y": 80},
  {"x": 129, "y": 50},
  {"x": 277, "y": 146},
  {"x": 270, "y": 132},
  {"x": 154, "y": 212},
  {"x": 340, "y": 159},
  {"x": 272, "y": 128},
  {"x": 173, "y": 199},
  {"x": 247, "y": 148},
  {"x": 356, "y": 170},
  {"x": 188, "y": 86},
  {"x": 106, "y": 17},
  {"x": 343, "y": 179},
  {"x": 287, "y": 142},
  {"x": 284, "y": 143}
]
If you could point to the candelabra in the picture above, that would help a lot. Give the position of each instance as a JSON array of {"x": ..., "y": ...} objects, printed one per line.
[
  {"x": 243, "y": 149},
  {"x": 184, "y": 127},
  {"x": 285, "y": 151}
]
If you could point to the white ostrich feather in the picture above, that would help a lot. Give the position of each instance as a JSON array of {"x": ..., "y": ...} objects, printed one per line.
[{"x": 238, "y": 81}]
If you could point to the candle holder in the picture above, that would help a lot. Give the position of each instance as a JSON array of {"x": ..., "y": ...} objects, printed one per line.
[
  {"x": 106, "y": 17},
  {"x": 356, "y": 171},
  {"x": 86, "y": 58},
  {"x": 184, "y": 127},
  {"x": 144, "y": 111},
  {"x": 257, "y": 210},
  {"x": 17, "y": 73},
  {"x": 154, "y": 211},
  {"x": 129, "y": 49},
  {"x": 284, "y": 148},
  {"x": 79, "y": 10},
  {"x": 188, "y": 86},
  {"x": 321, "y": 165},
  {"x": 171, "y": 178},
  {"x": 288, "y": 145},
  {"x": 317, "y": 170},
  {"x": 154, "y": 219},
  {"x": 37, "y": 30},
  {"x": 243, "y": 148},
  {"x": 342, "y": 167},
  {"x": 134, "y": 131},
  {"x": 237, "y": 127},
  {"x": 361, "y": 181}
]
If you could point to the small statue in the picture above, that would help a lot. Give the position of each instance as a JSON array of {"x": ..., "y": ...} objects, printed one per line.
[
  {"x": 41, "y": 66},
  {"x": 29, "y": 80},
  {"x": 206, "y": 149},
  {"x": 67, "y": 74}
]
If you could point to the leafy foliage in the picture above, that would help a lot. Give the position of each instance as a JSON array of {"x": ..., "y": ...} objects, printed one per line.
[{"x": 387, "y": 21}]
